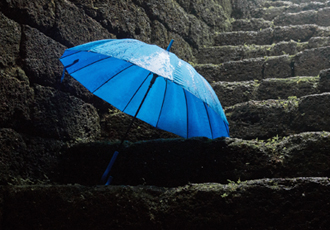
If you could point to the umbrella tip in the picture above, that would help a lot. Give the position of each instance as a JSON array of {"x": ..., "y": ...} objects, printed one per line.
[{"x": 169, "y": 46}]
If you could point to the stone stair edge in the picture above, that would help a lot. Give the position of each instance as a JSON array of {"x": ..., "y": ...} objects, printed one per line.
[
  {"x": 159, "y": 162},
  {"x": 268, "y": 36},
  {"x": 280, "y": 117},
  {"x": 197, "y": 186},
  {"x": 271, "y": 11},
  {"x": 260, "y": 89},
  {"x": 288, "y": 200},
  {"x": 284, "y": 66}
]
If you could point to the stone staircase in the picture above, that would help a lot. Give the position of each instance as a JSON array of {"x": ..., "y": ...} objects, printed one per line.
[
  {"x": 272, "y": 75},
  {"x": 276, "y": 58}
]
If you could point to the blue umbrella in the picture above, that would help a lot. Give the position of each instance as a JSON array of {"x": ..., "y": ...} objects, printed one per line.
[{"x": 149, "y": 83}]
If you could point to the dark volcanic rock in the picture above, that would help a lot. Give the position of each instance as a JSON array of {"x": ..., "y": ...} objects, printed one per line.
[
  {"x": 12, "y": 148},
  {"x": 245, "y": 8},
  {"x": 277, "y": 67},
  {"x": 277, "y": 88},
  {"x": 41, "y": 57},
  {"x": 297, "y": 33},
  {"x": 253, "y": 24},
  {"x": 298, "y": 203},
  {"x": 231, "y": 93},
  {"x": 263, "y": 37},
  {"x": 10, "y": 41},
  {"x": 245, "y": 70},
  {"x": 314, "y": 111},
  {"x": 27, "y": 159},
  {"x": 323, "y": 16},
  {"x": 195, "y": 32},
  {"x": 324, "y": 85},
  {"x": 16, "y": 97},
  {"x": 301, "y": 18},
  {"x": 58, "y": 115},
  {"x": 261, "y": 119},
  {"x": 123, "y": 18},
  {"x": 216, "y": 14},
  {"x": 310, "y": 62},
  {"x": 175, "y": 162},
  {"x": 61, "y": 20},
  {"x": 264, "y": 119}
]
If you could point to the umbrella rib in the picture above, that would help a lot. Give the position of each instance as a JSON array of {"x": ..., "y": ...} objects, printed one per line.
[
  {"x": 112, "y": 78},
  {"x": 208, "y": 117},
  {"x": 187, "y": 111},
  {"x": 90, "y": 64},
  {"x": 161, "y": 108},
  {"x": 136, "y": 91},
  {"x": 70, "y": 54}
]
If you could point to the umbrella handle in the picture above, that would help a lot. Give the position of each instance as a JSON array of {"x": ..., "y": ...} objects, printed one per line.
[{"x": 107, "y": 171}]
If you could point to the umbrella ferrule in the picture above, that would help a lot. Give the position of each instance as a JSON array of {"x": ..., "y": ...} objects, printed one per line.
[{"x": 170, "y": 45}]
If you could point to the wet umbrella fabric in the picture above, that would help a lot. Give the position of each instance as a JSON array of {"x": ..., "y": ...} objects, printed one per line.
[{"x": 150, "y": 83}]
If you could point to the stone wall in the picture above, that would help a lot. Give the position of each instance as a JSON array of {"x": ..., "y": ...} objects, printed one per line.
[{"x": 268, "y": 62}]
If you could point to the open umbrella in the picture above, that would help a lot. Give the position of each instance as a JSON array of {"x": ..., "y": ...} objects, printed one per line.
[{"x": 149, "y": 83}]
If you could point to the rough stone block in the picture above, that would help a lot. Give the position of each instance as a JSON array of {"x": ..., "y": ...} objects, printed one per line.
[
  {"x": 253, "y": 24},
  {"x": 231, "y": 93},
  {"x": 245, "y": 70},
  {"x": 323, "y": 17},
  {"x": 314, "y": 113},
  {"x": 61, "y": 20},
  {"x": 311, "y": 62},
  {"x": 61, "y": 116},
  {"x": 10, "y": 41},
  {"x": 301, "y": 18},
  {"x": 220, "y": 54},
  {"x": 42, "y": 54},
  {"x": 282, "y": 88},
  {"x": 27, "y": 159},
  {"x": 296, "y": 203},
  {"x": 299, "y": 33},
  {"x": 16, "y": 97},
  {"x": 263, "y": 37},
  {"x": 261, "y": 119},
  {"x": 324, "y": 84},
  {"x": 316, "y": 42},
  {"x": 277, "y": 67}
]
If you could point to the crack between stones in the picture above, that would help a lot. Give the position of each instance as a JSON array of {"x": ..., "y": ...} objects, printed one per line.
[
  {"x": 30, "y": 25},
  {"x": 185, "y": 38}
]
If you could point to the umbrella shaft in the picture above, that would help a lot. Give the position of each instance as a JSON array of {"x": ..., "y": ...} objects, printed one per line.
[{"x": 137, "y": 111}]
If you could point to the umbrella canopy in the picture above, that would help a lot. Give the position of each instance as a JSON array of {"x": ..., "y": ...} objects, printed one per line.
[{"x": 119, "y": 71}]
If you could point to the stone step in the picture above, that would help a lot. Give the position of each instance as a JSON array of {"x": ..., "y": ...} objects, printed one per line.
[
  {"x": 247, "y": 69},
  {"x": 319, "y": 17},
  {"x": 264, "y": 119},
  {"x": 221, "y": 54},
  {"x": 167, "y": 162},
  {"x": 271, "y": 10},
  {"x": 176, "y": 162},
  {"x": 268, "y": 10},
  {"x": 303, "y": 1},
  {"x": 253, "y": 24},
  {"x": 295, "y": 203},
  {"x": 299, "y": 33},
  {"x": 268, "y": 4},
  {"x": 306, "y": 63},
  {"x": 231, "y": 93}
]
